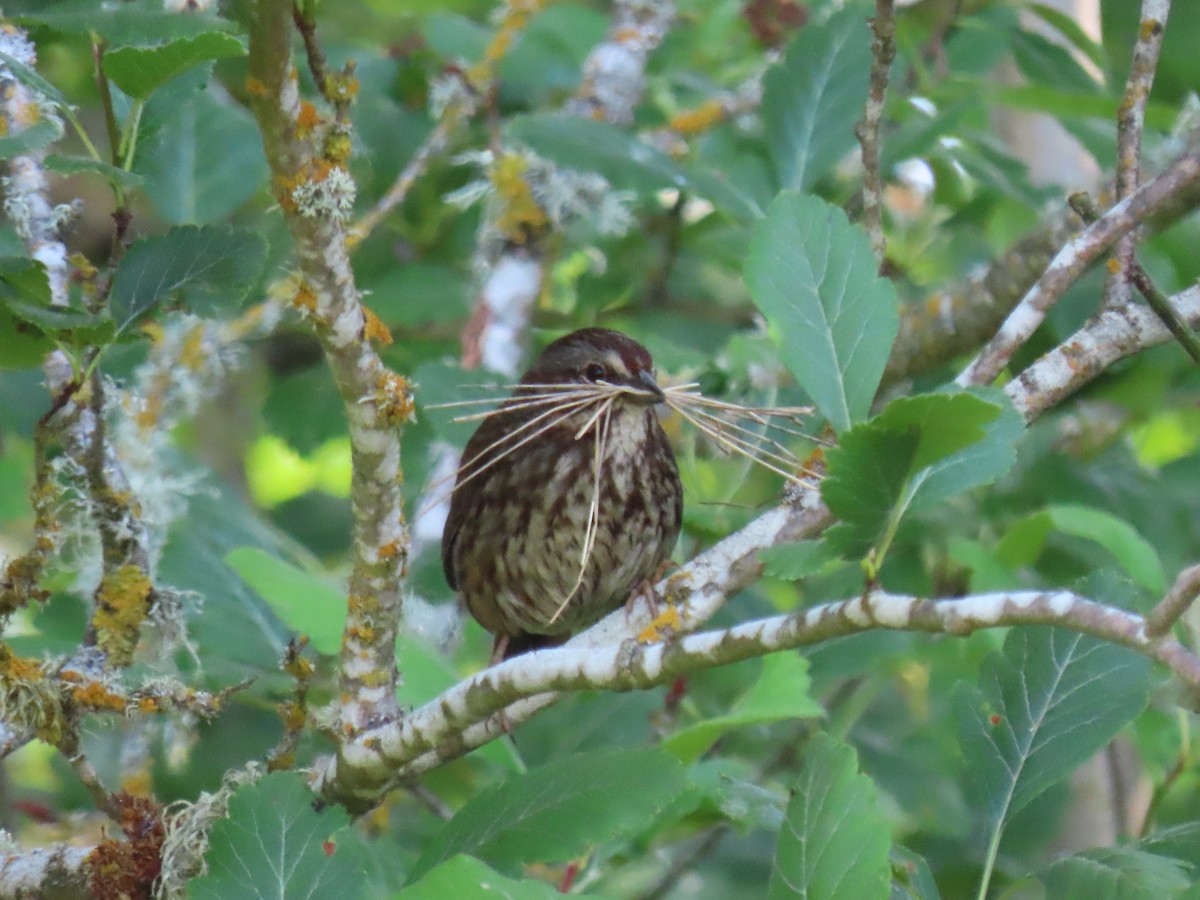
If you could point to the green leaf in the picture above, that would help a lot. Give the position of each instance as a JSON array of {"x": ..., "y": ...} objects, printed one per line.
[
  {"x": 980, "y": 463},
  {"x": 273, "y": 844},
  {"x": 201, "y": 154},
  {"x": 305, "y": 603},
  {"x": 624, "y": 159},
  {"x": 140, "y": 71},
  {"x": 867, "y": 478},
  {"x": 1116, "y": 873},
  {"x": 792, "y": 562},
  {"x": 1132, "y": 552},
  {"x": 33, "y": 80},
  {"x": 131, "y": 22},
  {"x": 21, "y": 344},
  {"x": 812, "y": 274},
  {"x": 1044, "y": 705},
  {"x": 75, "y": 165},
  {"x": 213, "y": 267},
  {"x": 1071, "y": 30},
  {"x": 465, "y": 878},
  {"x": 834, "y": 842},
  {"x": 911, "y": 877},
  {"x": 918, "y": 451},
  {"x": 946, "y": 423},
  {"x": 1042, "y": 61},
  {"x": 39, "y": 135},
  {"x": 556, "y": 812},
  {"x": 813, "y": 97},
  {"x": 781, "y": 693}
]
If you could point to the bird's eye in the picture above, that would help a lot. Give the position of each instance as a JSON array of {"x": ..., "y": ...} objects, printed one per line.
[{"x": 594, "y": 372}]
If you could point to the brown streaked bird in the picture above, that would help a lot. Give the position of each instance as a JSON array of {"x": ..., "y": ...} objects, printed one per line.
[{"x": 568, "y": 497}]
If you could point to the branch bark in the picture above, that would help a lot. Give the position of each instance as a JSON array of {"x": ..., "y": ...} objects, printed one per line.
[{"x": 376, "y": 401}]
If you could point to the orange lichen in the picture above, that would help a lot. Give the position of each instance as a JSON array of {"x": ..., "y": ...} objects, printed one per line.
[
  {"x": 19, "y": 668},
  {"x": 122, "y": 602},
  {"x": 390, "y": 550},
  {"x": 95, "y": 696},
  {"x": 374, "y": 329},
  {"x": 393, "y": 398},
  {"x": 305, "y": 299},
  {"x": 1114, "y": 265},
  {"x": 256, "y": 88},
  {"x": 1149, "y": 28},
  {"x": 667, "y": 620},
  {"x": 307, "y": 119},
  {"x": 702, "y": 118}
]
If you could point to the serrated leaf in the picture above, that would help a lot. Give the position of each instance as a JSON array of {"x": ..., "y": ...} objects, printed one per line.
[
  {"x": 304, "y": 603},
  {"x": 946, "y": 423},
  {"x": 213, "y": 267},
  {"x": 556, "y": 812},
  {"x": 794, "y": 561},
  {"x": 812, "y": 274},
  {"x": 814, "y": 95},
  {"x": 140, "y": 71},
  {"x": 1116, "y": 873},
  {"x": 1133, "y": 552},
  {"x": 918, "y": 451},
  {"x": 1044, "y": 705},
  {"x": 75, "y": 165},
  {"x": 465, "y": 878},
  {"x": 780, "y": 693},
  {"x": 624, "y": 159},
  {"x": 867, "y": 477},
  {"x": 834, "y": 842},
  {"x": 980, "y": 463},
  {"x": 273, "y": 844}
]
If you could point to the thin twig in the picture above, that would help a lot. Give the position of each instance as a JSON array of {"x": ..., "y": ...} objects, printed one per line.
[
  {"x": 435, "y": 144},
  {"x": 1072, "y": 261},
  {"x": 1158, "y": 301},
  {"x": 1131, "y": 119},
  {"x": 883, "y": 51},
  {"x": 1179, "y": 598},
  {"x": 312, "y": 49}
]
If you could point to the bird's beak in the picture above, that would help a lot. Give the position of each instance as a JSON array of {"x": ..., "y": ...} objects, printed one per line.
[{"x": 650, "y": 389}]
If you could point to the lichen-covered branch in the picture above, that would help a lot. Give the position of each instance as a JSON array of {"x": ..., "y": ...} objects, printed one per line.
[
  {"x": 312, "y": 186},
  {"x": 422, "y": 740},
  {"x": 957, "y": 319},
  {"x": 1131, "y": 118},
  {"x": 26, "y": 190},
  {"x": 448, "y": 726},
  {"x": 1111, "y": 335},
  {"x": 1180, "y": 597},
  {"x": 1073, "y": 259},
  {"x": 883, "y": 51},
  {"x": 614, "y": 72}
]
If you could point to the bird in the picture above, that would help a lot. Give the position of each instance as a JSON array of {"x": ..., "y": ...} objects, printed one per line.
[{"x": 568, "y": 498}]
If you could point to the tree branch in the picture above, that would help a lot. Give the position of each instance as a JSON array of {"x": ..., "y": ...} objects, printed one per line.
[
  {"x": 1110, "y": 335},
  {"x": 1131, "y": 118},
  {"x": 1072, "y": 260},
  {"x": 883, "y": 51},
  {"x": 376, "y": 401}
]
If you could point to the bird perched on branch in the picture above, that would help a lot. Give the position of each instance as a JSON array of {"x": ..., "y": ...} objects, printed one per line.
[{"x": 568, "y": 497}]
